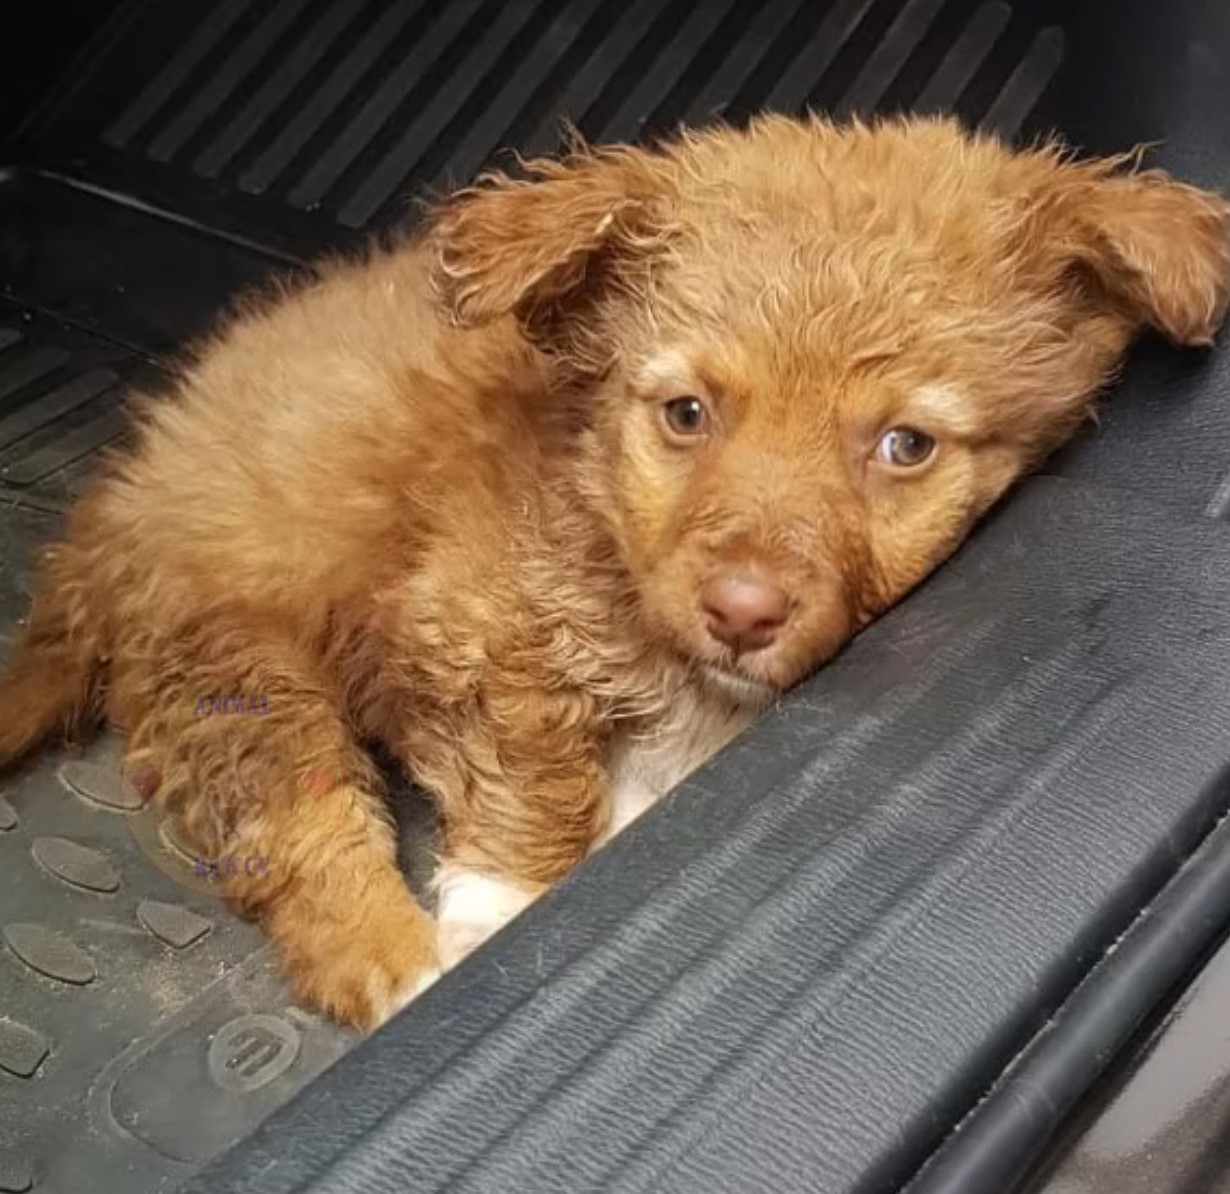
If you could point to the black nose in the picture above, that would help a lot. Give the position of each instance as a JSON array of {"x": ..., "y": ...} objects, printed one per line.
[{"x": 744, "y": 611}]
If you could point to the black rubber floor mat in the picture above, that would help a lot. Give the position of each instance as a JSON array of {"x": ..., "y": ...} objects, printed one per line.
[
  {"x": 61, "y": 400},
  {"x": 301, "y": 123},
  {"x": 143, "y": 1028},
  {"x": 114, "y": 268},
  {"x": 147, "y": 1028}
]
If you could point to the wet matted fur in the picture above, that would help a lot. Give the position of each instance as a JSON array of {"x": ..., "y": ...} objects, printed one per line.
[{"x": 551, "y": 499}]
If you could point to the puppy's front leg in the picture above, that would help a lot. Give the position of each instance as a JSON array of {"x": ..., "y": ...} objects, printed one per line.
[
  {"x": 286, "y": 811},
  {"x": 523, "y": 794}
]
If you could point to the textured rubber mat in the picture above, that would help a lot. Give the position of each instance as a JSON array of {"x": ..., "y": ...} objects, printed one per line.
[
  {"x": 121, "y": 970},
  {"x": 61, "y": 400},
  {"x": 300, "y": 122},
  {"x": 143, "y": 1027}
]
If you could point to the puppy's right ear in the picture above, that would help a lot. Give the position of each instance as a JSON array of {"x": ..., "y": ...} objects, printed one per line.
[{"x": 546, "y": 246}]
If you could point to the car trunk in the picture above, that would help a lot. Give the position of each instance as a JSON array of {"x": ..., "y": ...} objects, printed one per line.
[{"x": 893, "y": 936}]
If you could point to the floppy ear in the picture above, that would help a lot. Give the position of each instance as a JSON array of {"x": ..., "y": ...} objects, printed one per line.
[
  {"x": 1158, "y": 249},
  {"x": 547, "y": 246}
]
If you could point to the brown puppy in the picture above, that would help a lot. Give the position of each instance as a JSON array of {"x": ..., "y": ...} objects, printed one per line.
[{"x": 552, "y": 499}]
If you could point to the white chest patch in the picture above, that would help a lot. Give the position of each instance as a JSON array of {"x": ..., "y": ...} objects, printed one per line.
[
  {"x": 642, "y": 767},
  {"x": 645, "y": 765}
]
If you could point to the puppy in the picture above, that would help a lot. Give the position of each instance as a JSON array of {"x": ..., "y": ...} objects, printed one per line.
[{"x": 553, "y": 498}]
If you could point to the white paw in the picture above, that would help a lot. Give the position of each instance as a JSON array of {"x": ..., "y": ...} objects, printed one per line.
[{"x": 471, "y": 907}]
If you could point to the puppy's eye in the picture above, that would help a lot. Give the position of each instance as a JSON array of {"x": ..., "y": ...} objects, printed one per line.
[
  {"x": 685, "y": 418},
  {"x": 905, "y": 447}
]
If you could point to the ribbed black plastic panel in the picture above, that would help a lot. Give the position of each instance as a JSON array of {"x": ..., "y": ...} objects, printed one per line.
[
  {"x": 300, "y": 121},
  {"x": 803, "y": 971}
]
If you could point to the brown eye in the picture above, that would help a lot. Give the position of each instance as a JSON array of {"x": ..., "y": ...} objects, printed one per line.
[
  {"x": 905, "y": 447},
  {"x": 685, "y": 418}
]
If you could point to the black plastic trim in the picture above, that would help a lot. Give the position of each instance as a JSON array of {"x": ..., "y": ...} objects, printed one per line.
[{"x": 996, "y": 1146}]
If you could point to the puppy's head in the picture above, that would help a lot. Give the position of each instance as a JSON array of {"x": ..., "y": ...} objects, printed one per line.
[{"x": 813, "y": 355}]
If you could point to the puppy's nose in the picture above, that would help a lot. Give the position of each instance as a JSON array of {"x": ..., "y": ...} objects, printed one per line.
[{"x": 744, "y": 611}]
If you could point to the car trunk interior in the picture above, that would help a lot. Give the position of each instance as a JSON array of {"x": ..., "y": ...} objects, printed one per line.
[{"x": 904, "y": 931}]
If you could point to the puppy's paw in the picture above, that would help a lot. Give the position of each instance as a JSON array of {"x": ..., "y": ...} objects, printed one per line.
[
  {"x": 360, "y": 960},
  {"x": 471, "y": 907}
]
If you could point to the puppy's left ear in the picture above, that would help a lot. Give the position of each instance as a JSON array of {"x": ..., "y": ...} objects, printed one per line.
[
  {"x": 1157, "y": 248},
  {"x": 558, "y": 239}
]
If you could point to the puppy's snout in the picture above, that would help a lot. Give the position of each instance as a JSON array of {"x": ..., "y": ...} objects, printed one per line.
[{"x": 744, "y": 611}]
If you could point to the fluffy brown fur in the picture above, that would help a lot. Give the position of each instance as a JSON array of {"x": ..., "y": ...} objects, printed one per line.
[{"x": 437, "y": 498}]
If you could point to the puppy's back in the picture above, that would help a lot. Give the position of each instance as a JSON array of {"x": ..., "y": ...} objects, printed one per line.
[{"x": 314, "y": 436}]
